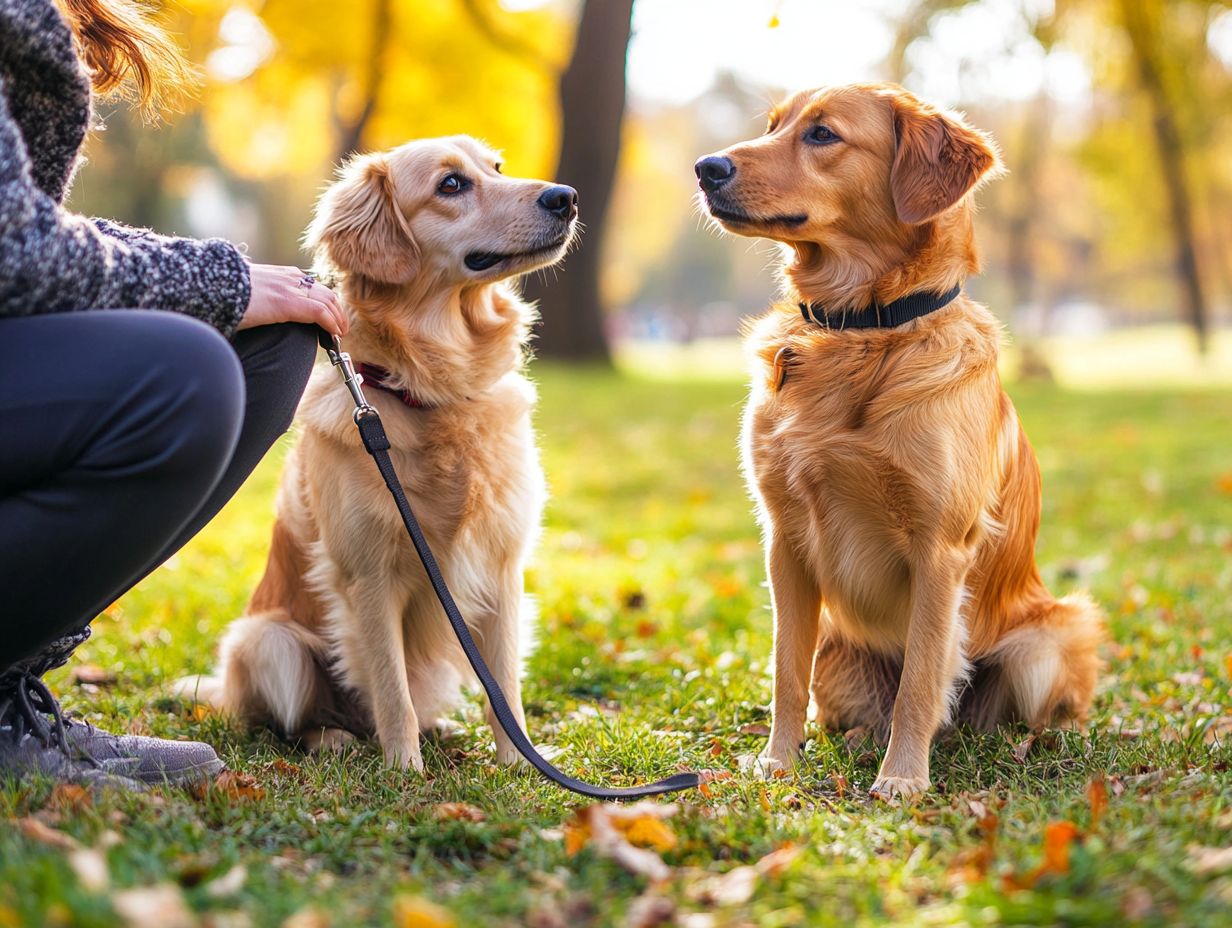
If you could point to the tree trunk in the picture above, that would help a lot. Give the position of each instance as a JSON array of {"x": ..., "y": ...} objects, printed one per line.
[
  {"x": 592, "y": 101},
  {"x": 1143, "y": 35},
  {"x": 351, "y": 133}
]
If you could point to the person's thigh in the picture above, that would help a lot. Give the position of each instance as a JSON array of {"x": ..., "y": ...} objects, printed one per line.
[
  {"x": 115, "y": 428},
  {"x": 276, "y": 361}
]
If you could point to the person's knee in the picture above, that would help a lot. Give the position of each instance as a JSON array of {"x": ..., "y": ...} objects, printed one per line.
[{"x": 188, "y": 405}]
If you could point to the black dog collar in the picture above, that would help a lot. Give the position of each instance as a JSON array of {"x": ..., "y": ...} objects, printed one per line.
[{"x": 889, "y": 316}]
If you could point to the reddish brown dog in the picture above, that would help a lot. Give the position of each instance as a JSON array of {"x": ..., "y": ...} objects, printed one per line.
[{"x": 898, "y": 493}]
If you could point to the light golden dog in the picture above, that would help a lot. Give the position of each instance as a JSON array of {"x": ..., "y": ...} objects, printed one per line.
[
  {"x": 343, "y": 634},
  {"x": 898, "y": 494}
]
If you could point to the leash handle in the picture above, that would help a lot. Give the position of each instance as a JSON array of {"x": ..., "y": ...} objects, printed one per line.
[{"x": 376, "y": 442}]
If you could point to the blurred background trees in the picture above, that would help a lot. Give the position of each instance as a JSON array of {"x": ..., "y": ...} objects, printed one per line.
[{"x": 1112, "y": 115}]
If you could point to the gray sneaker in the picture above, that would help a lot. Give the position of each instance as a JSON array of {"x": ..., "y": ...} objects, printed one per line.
[{"x": 36, "y": 738}]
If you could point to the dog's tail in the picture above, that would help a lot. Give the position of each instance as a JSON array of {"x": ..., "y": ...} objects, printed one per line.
[
  {"x": 1045, "y": 669},
  {"x": 270, "y": 671}
]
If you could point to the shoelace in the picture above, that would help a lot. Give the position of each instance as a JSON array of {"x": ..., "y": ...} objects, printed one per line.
[{"x": 25, "y": 704}]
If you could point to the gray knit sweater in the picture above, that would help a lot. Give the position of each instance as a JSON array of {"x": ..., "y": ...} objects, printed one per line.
[{"x": 52, "y": 260}]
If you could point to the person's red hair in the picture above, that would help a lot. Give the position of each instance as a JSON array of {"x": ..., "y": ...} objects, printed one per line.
[{"x": 128, "y": 53}]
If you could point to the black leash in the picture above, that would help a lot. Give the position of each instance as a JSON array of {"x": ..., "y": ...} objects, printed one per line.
[{"x": 372, "y": 433}]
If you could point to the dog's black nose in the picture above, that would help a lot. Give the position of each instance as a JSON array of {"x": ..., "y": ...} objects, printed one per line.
[
  {"x": 560, "y": 201},
  {"x": 714, "y": 171}
]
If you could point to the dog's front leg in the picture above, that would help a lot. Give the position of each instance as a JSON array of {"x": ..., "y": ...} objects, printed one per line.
[
  {"x": 374, "y": 658},
  {"x": 500, "y": 645},
  {"x": 932, "y": 664},
  {"x": 796, "y": 601}
]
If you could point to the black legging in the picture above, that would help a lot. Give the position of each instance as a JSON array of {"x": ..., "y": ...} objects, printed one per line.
[{"x": 122, "y": 433}]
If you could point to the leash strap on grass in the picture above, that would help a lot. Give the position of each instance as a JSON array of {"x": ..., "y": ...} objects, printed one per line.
[{"x": 372, "y": 433}]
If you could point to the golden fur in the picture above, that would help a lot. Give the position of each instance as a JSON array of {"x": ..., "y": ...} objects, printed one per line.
[
  {"x": 343, "y": 632},
  {"x": 899, "y": 496}
]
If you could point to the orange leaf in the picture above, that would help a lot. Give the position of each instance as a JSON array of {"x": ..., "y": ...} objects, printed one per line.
[
  {"x": 764, "y": 798},
  {"x": 1223, "y": 483},
  {"x": 232, "y": 786},
  {"x": 1058, "y": 836},
  {"x": 1097, "y": 796},
  {"x": 70, "y": 796},
  {"x": 647, "y": 831}
]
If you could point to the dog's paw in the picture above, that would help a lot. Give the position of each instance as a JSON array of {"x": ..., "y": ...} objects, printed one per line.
[
  {"x": 765, "y": 765},
  {"x": 899, "y": 787},
  {"x": 403, "y": 756},
  {"x": 508, "y": 755},
  {"x": 327, "y": 739}
]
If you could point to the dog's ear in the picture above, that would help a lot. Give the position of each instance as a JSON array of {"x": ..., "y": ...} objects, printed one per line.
[
  {"x": 359, "y": 227},
  {"x": 938, "y": 159}
]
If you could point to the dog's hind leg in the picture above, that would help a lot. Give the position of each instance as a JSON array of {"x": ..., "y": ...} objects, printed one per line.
[{"x": 854, "y": 687}]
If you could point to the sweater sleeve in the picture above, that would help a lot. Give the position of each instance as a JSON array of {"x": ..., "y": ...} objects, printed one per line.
[{"x": 52, "y": 260}]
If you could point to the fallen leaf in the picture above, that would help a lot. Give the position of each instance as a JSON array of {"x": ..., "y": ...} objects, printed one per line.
[
  {"x": 1023, "y": 748},
  {"x": 764, "y": 798},
  {"x": 735, "y": 887},
  {"x": 1058, "y": 836},
  {"x": 285, "y": 767},
  {"x": 1097, "y": 796},
  {"x": 774, "y": 863},
  {"x": 228, "y": 884},
  {"x": 613, "y": 831},
  {"x": 650, "y": 910},
  {"x": 756, "y": 728},
  {"x": 70, "y": 796},
  {"x": 35, "y": 830},
  {"x": 90, "y": 866},
  {"x": 93, "y": 674},
  {"x": 1223, "y": 483},
  {"x": 1203, "y": 860},
  {"x": 160, "y": 906},
  {"x": 306, "y": 918},
  {"x": 418, "y": 912},
  {"x": 461, "y": 811},
  {"x": 232, "y": 786}
]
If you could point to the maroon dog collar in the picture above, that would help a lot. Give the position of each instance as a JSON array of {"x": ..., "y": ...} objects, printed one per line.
[{"x": 379, "y": 379}]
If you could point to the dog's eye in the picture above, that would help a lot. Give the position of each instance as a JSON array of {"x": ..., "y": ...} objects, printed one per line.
[
  {"x": 451, "y": 184},
  {"x": 822, "y": 135}
]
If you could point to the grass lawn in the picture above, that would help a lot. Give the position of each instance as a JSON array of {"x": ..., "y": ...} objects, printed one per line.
[{"x": 653, "y": 655}]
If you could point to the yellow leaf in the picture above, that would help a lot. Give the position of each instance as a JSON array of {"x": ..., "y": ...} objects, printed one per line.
[
  {"x": 646, "y": 831},
  {"x": 418, "y": 912},
  {"x": 1223, "y": 483}
]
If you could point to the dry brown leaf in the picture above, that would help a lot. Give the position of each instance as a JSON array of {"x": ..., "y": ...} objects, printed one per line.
[
  {"x": 1023, "y": 748},
  {"x": 461, "y": 811},
  {"x": 35, "y": 830},
  {"x": 650, "y": 910},
  {"x": 756, "y": 728},
  {"x": 160, "y": 906},
  {"x": 90, "y": 866},
  {"x": 774, "y": 863},
  {"x": 228, "y": 884},
  {"x": 232, "y": 786},
  {"x": 418, "y": 912},
  {"x": 1204, "y": 860},
  {"x": 285, "y": 767},
  {"x": 92, "y": 674},
  {"x": 735, "y": 887},
  {"x": 306, "y": 918}
]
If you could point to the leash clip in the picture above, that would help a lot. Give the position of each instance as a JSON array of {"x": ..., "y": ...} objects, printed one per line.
[{"x": 353, "y": 380}]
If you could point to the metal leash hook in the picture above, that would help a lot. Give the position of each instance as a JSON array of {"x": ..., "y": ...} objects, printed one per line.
[
  {"x": 353, "y": 380},
  {"x": 376, "y": 443}
]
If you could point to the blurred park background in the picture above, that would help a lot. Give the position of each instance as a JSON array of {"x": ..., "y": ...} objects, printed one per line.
[{"x": 1108, "y": 246}]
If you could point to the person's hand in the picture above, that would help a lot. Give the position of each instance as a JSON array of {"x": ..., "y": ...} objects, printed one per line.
[{"x": 280, "y": 295}]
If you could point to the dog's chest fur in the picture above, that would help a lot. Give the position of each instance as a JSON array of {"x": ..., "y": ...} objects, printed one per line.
[{"x": 872, "y": 451}]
